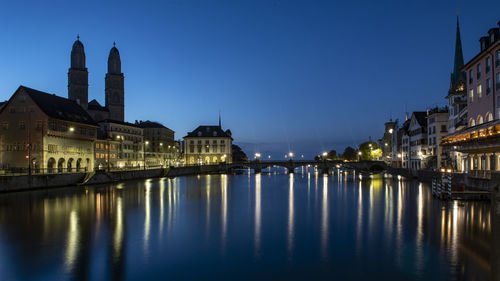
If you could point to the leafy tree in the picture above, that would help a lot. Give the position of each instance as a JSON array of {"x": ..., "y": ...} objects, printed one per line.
[
  {"x": 238, "y": 154},
  {"x": 370, "y": 150},
  {"x": 350, "y": 154},
  {"x": 332, "y": 155}
]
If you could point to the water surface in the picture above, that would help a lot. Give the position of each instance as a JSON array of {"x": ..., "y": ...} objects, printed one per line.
[{"x": 244, "y": 227}]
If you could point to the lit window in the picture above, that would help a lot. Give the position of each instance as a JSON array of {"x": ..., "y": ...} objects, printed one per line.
[
  {"x": 471, "y": 95},
  {"x": 479, "y": 91}
]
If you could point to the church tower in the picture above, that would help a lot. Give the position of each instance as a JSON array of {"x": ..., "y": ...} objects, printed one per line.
[
  {"x": 78, "y": 76},
  {"x": 114, "y": 88}
]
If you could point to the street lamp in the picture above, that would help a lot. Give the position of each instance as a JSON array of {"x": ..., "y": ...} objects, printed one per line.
[
  {"x": 359, "y": 155},
  {"x": 291, "y": 155},
  {"x": 144, "y": 152}
]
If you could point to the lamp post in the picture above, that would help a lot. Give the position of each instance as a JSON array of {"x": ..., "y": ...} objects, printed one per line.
[
  {"x": 291, "y": 155},
  {"x": 144, "y": 152},
  {"x": 359, "y": 155}
]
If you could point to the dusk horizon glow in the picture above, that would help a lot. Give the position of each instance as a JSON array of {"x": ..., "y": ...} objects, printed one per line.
[{"x": 285, "y": 75}]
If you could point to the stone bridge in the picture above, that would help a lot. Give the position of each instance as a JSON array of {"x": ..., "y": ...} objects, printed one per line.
[{"x": 323, "y": 166}]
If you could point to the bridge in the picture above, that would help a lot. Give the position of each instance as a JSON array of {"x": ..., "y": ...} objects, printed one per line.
[{"x": 322, "y": 166}]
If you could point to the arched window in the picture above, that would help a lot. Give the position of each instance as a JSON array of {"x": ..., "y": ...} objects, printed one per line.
[
  {"x": 479, "y": 119},
  {"x": 489, "y": 117},
  {"x": 472, "y": 122}
]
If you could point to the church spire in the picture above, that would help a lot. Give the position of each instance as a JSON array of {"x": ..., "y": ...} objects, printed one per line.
[
  {"x": 459, "y": 57},
  {"x": 457, "y": 79},
  {"x": 220, "y": 123}
]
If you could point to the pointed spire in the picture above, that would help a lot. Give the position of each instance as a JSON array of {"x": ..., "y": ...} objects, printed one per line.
[
  {"x": 458, "y": 63},
  {"x": 220, "y": 123}
]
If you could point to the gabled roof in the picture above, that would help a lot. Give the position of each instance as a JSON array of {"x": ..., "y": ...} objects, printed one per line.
[
  {"x": 150, "y": 124},
  {"x": 94, "y": 105},
  {"x": 58, "y": 107},
  {"x": 421, "y": 116},
  {"x": 209, "y": 132}
]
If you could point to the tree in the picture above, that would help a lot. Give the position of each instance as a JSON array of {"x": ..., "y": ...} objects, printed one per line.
[
  {"x": 370, "y": 150},
  {"x": 238, "y": 154},
  {"x": 332, "y": 155},
  {"x": 349, "y": 154}
]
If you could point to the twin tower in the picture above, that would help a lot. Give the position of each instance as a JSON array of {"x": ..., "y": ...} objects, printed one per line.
[{"x": 78, "y": 85}]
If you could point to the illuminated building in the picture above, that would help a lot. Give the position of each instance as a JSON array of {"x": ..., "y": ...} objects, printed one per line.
[
  {"x": 208, "y": 145},
  {"x": 479, "y": 143},
  {"x": 162, "y": 150},
  {"x": 52, "y": 133}
]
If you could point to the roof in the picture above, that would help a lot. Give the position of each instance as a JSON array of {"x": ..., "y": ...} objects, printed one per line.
[
  {"x": 58, "y": 107},
  {"x": 94, "y": 105},
  {"x": 209, "y": 132},
  {"x": 118, "y": 122},
  {"x": 421, "y": 118},
  {"x": 150, "y": 124}
]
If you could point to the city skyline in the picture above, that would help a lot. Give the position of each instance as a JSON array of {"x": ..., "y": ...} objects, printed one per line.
[{"x": 257, "y": 63}]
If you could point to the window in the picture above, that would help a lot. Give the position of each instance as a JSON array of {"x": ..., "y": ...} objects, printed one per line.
[
  {"x": 443, "y": 129},
  {"x": 479, "y": 91},
  {"x": 471, "y": 74},
  {"x": 497, "y": 58},
  {"x": 222, "y": 148},
  {"x": 498, "y": 107},
  {"x": 498, "y": 81},
  {"x": 38, "y": 124},
  {"x": 5, "y": 125},
  {"x": 22, "y": 125},
  {"x": 488, "y": 86},
  {"x": 478, "y": 70},
  {"x": 471, "y": 95},
  {"x": 488, "y": 64}
]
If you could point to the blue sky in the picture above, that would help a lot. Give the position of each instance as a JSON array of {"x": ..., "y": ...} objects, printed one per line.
[{"x": 292, "y": 75}]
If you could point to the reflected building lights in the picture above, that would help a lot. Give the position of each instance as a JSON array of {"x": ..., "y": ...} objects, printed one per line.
[
  {"x": 223, "y": 210},
  {"x": 147, "y": 218},
  {"x": 257, "y": 231},
  {"x": 162, "y": 208},
  {"x": 118, "y": 235},
  {"x": 324, "y": 219},
  {"x": 72, "y": 242},
  {"x": 290, "y": 232},
  {"x": 419, "y": 254}
]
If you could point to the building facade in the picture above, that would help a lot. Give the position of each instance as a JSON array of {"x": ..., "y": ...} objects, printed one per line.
[
  {"x": 385, "y": 143},
  {"x": 437, "y": 128},
  {"x": 161, "y": 148},
  {"x": 44, "y": 133},
  {"x": 129, "y": 140},
  {"x": 208, "y": 145},
  {"x": 479, "y": 143}
]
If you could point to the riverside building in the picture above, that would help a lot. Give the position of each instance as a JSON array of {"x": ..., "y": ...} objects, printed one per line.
[
  {"x": 42, "y": 132},
  {"x": 208, "y": 145},
  {"x": 161, "y": 148},
  {"x": 479, "y": 143}
]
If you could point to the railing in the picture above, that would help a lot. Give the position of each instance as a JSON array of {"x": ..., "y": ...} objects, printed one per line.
[{"x": 480, "y": 174}]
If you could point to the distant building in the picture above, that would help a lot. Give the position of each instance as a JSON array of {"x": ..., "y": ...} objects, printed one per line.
[
  {"x": 479, "y": 143},
  {"x": 78, "y": 77},
  {"x": 161, "y": 148},
  {"x": 437, "y": 128},
  {"x": 208, "y": 145},
  {"x": 385, "y": 143},
  {"x": 414, "y": 142},
  {"x": 129, "y": 140},
  {"x": 51, "y": 133},
  {"x": 397, "y": 144}
]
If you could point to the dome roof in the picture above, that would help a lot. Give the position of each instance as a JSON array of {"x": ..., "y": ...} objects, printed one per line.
[
  {"x": 78, "y": 55},
  {"x": 114, "y": 62}
]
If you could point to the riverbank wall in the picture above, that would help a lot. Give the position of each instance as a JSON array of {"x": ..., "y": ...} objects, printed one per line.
[
  {"x": 470, "y": 183},
  {"x": 25, "y": 182}
]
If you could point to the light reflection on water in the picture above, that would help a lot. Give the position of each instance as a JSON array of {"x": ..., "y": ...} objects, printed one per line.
[{"x": 292, "y": 226}]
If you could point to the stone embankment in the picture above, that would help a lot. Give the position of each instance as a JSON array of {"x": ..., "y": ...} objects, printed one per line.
[
  {"x": 457, "y": 179},
  {"x": 25, "y": 182}
]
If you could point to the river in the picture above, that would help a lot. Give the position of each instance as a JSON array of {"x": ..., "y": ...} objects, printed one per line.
[{"x": 301, "y": 226}]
